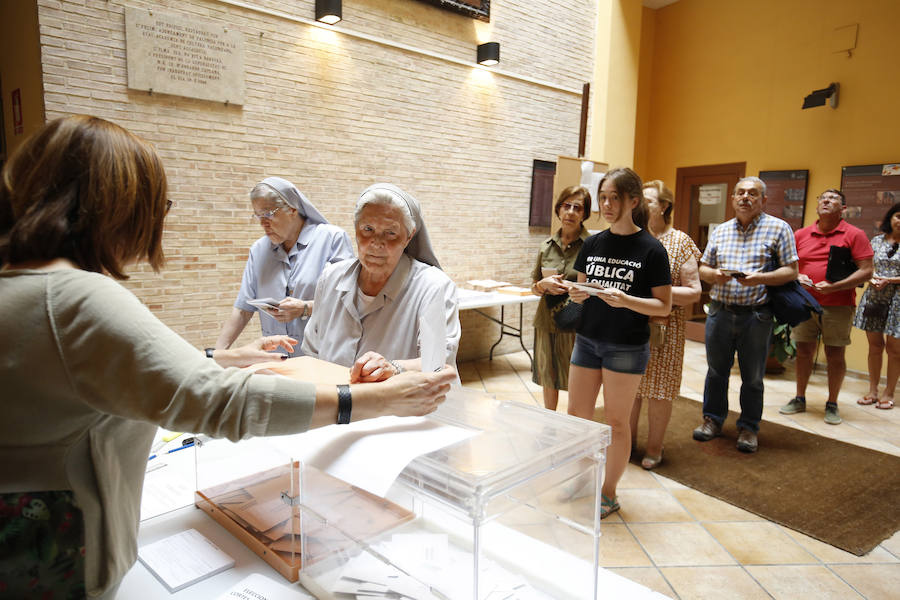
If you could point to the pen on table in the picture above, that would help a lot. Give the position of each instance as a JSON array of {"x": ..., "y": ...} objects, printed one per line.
[
  {"x": 155, "y": 466},
  {"x": 152, "y": 456}
]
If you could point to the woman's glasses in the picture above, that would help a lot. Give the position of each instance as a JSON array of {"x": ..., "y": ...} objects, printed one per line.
[
  {"x": 893, "y": 250},
  {"x": 169, "y": 204}
]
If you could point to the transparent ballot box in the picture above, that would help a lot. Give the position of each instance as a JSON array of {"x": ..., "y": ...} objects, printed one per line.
[{"x": 512, "y": 511}]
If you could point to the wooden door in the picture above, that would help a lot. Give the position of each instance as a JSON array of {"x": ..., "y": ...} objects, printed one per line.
[{"x": 702, "y": 201}]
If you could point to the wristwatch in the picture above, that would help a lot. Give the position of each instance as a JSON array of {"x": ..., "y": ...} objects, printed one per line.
[
  {"x": 306, "y": 312},
  {"x": 209, "y": 352},
  {"x": 345, "y": 404}
]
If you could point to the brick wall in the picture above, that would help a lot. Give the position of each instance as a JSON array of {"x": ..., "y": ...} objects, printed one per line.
[{"x": 333, "y": 114}]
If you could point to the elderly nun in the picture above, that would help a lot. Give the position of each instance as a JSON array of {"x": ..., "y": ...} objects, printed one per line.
[
  {"x": 370, "y": 311},
  {"x": 284, "y": 264}
]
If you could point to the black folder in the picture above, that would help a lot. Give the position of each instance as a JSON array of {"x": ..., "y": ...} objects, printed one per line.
[{"x": 840, "y": 264}]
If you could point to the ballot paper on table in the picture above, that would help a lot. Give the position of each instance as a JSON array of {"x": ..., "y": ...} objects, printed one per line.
[
  {"x": 370, "y": 454},
  {"x": 260, "y": 587},
  {"x": 184, "y": 559}
]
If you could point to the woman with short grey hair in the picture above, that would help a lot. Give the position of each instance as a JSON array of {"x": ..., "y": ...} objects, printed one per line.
[
  {"x": 285, "y": 263},
  {"x": 369, "y": 310}
]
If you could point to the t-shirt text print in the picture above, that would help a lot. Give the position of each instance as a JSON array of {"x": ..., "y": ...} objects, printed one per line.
[{"x": 612, "y": 272}]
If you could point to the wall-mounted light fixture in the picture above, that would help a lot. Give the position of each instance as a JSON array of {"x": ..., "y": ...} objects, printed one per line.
[
  {"x": 489, "y": 54},
  {"x": 328, "y": 11},
  {"x": 820, "y": 97}
]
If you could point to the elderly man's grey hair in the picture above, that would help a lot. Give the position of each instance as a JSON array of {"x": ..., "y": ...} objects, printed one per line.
[
  {"x": 754, "y": 179},
  {"x": 384, "y": 197}
]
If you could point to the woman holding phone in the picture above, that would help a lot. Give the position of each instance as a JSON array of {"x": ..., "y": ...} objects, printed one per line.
[
  {"x": 555, "y": 266},
  {"x": 630, "y": 281}
]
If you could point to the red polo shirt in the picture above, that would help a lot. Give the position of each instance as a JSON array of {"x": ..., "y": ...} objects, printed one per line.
[{"x": 813, "y": 247}]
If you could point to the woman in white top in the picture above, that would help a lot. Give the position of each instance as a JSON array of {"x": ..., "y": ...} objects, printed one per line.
[
  {"x": 369, "y": 310},
  {"x": 284, "y": 264}
]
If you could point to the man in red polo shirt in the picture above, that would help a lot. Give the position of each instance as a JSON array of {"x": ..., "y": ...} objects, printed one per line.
[{"x": 838, "y": 298}]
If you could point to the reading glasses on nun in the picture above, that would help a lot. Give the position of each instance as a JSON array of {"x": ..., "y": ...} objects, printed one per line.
[{"x": 268, "y": 215}]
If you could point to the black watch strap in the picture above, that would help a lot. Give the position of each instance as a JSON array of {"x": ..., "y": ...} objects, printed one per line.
[
  {"x": 209, "y": 352},
  {"x": 345, "y": 404}
]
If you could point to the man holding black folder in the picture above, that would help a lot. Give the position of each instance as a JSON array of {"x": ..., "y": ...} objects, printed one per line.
[{"x": 835, "y": 257}]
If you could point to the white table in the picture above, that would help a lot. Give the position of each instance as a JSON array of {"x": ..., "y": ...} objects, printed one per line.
[{"x": 472, "y": 300}]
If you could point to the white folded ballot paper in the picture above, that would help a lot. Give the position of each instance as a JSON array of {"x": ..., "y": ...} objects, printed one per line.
[
  {"x": 260, "y": 587},
  {"x": 266, "y": 304},
  {"x": 183, "y": 559}
]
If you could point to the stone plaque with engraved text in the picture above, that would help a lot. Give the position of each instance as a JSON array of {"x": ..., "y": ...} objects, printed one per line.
[{"x": 183, "y": 55}]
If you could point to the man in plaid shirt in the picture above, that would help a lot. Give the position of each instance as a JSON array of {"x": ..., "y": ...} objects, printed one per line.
[{"x": 743, "y": 256}]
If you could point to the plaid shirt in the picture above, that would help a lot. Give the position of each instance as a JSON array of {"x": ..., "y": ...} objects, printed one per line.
[{"x": 765, "y": 245}]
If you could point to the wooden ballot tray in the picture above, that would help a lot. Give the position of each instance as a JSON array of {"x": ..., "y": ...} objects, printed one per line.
[{"x": 264, "y": 512}]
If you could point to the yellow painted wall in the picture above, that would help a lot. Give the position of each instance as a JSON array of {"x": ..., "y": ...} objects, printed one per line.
[
  {"x": 728, "y": 79},
  {"x": 20, "y": 68},
  {"x": 614, "y": 90}
]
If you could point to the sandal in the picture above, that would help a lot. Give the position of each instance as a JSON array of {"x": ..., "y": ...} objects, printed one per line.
[
  {"x": 651, "y": 462},
  {"x": 885, "y": 404},
  {"x": 867, "y": 400},
  {"x": 607, "y": 506}
]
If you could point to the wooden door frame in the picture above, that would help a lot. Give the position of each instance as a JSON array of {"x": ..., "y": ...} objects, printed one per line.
[{"x": 685, "y": 178}]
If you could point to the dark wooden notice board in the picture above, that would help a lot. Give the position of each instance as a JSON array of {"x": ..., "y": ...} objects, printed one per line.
[
  {"x": 786, "y": 195},
  {"x": 870, "y": 191}
]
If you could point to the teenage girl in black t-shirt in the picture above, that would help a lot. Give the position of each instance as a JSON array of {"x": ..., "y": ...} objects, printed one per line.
[{"x": 611, "y": 345}]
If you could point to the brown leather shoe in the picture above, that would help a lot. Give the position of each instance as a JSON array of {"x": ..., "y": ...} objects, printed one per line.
[
  {"x": 708, "y": 430},
  {"x": 747, "y": 441}
]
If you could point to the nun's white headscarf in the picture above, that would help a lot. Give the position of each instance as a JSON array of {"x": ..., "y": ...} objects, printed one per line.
[
  {"x": 294, "y": 198},
  {"x": 419, "y": 246}
]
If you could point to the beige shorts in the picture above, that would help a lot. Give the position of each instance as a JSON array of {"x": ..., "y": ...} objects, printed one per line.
[{"x": 833, "y": 325}]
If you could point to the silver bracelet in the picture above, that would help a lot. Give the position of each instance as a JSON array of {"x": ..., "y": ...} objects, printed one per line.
[{"x": 396, "y": 366}]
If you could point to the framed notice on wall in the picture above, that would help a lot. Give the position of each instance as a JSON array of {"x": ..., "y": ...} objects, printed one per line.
[
  {"x": 870, "y": 191},
  {"x": 786, "y": 191}
]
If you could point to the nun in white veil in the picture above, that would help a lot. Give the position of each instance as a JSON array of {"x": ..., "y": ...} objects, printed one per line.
[
  {"x": 285, "y": 263},
  {"x": 370, "y": 311}
]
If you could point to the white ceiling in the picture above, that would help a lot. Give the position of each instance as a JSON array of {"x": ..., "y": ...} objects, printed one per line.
[{"x": 658, "y": 3}]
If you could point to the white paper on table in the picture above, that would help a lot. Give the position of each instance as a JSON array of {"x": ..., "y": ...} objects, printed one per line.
[
  {"x": 433, "y": 336},
  {"x": 370, "y": 454},
  {"x": 170, "y": 484},
  {"x": 184, "y": 559},
  {"x": 261, "y": 587}
]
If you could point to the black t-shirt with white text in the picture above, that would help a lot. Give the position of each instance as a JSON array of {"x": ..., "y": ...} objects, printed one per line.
[{"x": 635, "y": 264}]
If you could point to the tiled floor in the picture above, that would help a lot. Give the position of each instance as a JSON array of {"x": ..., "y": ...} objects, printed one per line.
[{"x": 685, "y": 544}]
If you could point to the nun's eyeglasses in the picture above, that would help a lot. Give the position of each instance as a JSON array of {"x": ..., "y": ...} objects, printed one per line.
[{"x": 268, "y": 215}]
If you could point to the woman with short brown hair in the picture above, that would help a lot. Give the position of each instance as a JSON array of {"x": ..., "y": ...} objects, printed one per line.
[{"x": 555, "y": 266}]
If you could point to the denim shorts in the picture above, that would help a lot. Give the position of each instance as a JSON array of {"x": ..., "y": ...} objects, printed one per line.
[{"x": 621, "y": 358}]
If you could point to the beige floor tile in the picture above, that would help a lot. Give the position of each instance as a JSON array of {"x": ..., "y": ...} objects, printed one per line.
[
  {"x": 618, "y": 548},
  {"x": 707, "y": 508},
  {"x": 874, "y": 582},
  {"x": 892, "y": 544},
  {"x": 713, "y": 583},
  {"x": 650, "y": 506},
  {"x": 829, "y": 554},
  {"x": 669, "y": 484},
  {"x": 788, "y": 582},
  {"x": 504, "y": 383},
  {"x": 759, "y": 543},
  {"x": 636, "y": 477},
  {"x": 649, "y": 577},
  {"x": 680, "y": 544}
]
